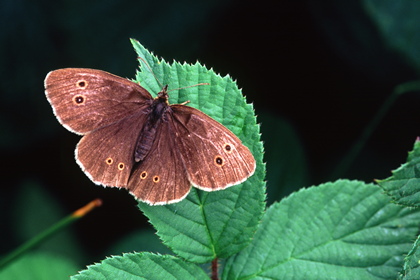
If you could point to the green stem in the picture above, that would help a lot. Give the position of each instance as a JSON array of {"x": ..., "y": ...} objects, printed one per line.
[
  {"x": 345, "y": 164},
  {"x": 35, "y": 241}
]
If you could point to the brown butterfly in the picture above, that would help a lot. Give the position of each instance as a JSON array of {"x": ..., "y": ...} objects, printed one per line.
[{"x": 153, "y": 149}]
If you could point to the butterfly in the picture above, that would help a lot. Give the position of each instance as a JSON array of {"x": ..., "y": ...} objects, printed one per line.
[{"x": 134, "y": 141}]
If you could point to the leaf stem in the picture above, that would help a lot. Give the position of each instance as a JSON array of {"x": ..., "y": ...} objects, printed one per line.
[
  {"x": 345, "y": 164},
  {"x": 214, "y": 269},
  {"x": 38, "y": 239}
]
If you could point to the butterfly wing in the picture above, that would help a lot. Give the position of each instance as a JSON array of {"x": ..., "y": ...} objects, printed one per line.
[
  {"x": 189, "y": 147},
  {"x": 213, "y": 156},
  {"x": 86, "y": 99},
  {"x": 109, "y": 110},
  {"x": 161, "y": 177},
  {"x": 106, "y": 155}
]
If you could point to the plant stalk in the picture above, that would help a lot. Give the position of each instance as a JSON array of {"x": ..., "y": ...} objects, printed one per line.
[{"x": 38, "y": 239}]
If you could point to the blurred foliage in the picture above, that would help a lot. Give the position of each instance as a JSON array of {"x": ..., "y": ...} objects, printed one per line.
[
  {"x": 318, "y": 69},
  {"x": 34, "y": 196},
  {"x": 398, "y": 25},
  {"x": 40, "y": 266}
]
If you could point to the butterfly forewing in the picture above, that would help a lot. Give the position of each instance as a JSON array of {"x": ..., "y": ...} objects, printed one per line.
[
  {"x": 213, "y": 156},
  {"x": 86, "y": 99}
]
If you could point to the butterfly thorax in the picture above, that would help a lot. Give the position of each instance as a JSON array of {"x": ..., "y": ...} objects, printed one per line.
[{"x": 156, "y": 114}]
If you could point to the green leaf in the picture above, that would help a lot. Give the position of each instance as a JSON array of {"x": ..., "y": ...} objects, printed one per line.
[
  {"x": 341, "y": 230},
  {"x": 39, "y": 266},
  {"x": 411, "y": 269},
  {"x": 142, "y": 266},
  {"x": 404, "y": 184},
  {"x": 207, "y": 225}
]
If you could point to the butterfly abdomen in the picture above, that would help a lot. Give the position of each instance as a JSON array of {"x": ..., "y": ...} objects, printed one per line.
[{"x": 147, "y": 136}]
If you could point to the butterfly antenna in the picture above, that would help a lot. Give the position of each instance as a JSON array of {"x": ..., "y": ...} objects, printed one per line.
[
  {"x": 150, "y": 69},
  {"x": 200, "y": 84},
  {"x": 161, "y": 85}
]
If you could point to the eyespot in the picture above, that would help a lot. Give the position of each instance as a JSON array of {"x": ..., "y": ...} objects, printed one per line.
[
  {"x": 156, "y": 179},
  {"x": 218, "y": 160},
  {"x": 228, "y": 148},
  {"x": 81, "y": 84},
  {"x": 79, "y": 99},
  {"x": 109, "y": 161},
  {"x": 143, "y": 175},
  {"x": 121, "y": 166}
]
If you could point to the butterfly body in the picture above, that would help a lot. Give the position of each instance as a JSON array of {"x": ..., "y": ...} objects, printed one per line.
[
  {"x": 130, "y": 140},
  {"x": 157, "y": 113}
]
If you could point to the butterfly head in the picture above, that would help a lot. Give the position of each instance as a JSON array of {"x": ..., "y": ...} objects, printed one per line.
[{"x": 163, "y": 94}]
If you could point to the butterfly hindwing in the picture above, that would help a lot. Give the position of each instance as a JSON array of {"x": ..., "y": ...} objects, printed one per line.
[
  {"x": 161, "y": 177},
  {"x": 213, "y": 156},
  {"x": 106, "y": 155}
]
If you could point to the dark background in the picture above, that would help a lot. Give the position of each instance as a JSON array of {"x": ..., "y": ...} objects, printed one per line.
[{"x": 316, "y": 73}]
